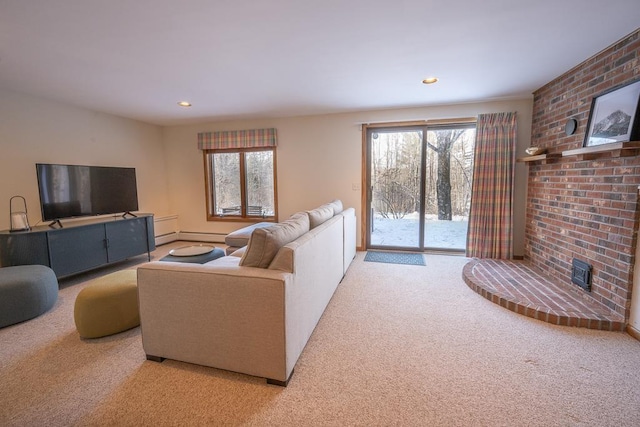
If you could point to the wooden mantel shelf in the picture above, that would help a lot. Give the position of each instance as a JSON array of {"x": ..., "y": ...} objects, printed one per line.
[
  {"x": 614, "y": 149},
  {"x": 542, "y": 158}
]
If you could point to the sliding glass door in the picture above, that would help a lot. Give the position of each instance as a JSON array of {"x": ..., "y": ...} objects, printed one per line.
[
  {"x": 396, "y": 160},
  {"x": 419, "y": 186}
]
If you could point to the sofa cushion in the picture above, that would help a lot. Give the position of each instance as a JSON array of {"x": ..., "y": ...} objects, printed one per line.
[
  {"x": 337, "y": 206},
  {"x": 240, "y": 237},
  {"x": 319, "y": 215},
  {"x": 239, "y": 252},
  {"x": 265, "y": 242}
]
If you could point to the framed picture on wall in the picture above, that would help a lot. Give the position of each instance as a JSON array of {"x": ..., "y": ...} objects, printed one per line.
[{"x": 615, "y": 116}]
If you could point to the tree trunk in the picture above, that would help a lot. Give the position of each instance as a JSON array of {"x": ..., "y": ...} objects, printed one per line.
[
  {"x": 443, "y": 184},
  {"x": 445, "y": 140}
]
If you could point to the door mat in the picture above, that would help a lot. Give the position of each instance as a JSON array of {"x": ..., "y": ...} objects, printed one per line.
[{"x": 395, "y": 258}]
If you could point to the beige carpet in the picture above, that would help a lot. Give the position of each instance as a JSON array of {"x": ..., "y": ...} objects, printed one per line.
[{"x": 398, "y": 345}]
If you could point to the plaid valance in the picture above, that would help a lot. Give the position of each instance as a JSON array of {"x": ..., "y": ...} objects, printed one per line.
[{"x": 253, "y": 138}]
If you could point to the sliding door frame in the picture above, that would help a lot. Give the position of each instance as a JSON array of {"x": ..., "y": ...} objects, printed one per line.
[{"x": 366, "y": 196}]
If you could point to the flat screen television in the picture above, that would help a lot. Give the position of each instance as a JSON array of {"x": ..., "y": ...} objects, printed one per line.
[{"x": 68, "y": 191}]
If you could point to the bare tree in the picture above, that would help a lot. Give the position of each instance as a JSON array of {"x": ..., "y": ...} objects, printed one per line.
[
  {"x": 395, "y": 172},
  {"x": 444, "y": 141}
]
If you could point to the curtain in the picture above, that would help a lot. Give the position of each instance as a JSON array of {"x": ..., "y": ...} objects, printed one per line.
[
  {"x": 490, "y": 233},
  {"x": 253, "y": 138}
]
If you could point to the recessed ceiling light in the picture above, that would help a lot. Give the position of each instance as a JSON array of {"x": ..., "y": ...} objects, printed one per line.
[
  {"x": 184, "y": 104},
  {"x": 430, "y": 80}
]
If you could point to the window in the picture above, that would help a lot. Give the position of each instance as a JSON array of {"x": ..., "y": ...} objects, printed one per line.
[{"x": 241, "y": 184}]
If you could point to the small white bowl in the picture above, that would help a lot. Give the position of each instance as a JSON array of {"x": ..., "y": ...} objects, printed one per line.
[{"x": 534, "y": 151}]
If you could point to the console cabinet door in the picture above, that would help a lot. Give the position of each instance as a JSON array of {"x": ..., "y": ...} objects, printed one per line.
[
  {"x": 77, "y": 249},
  {"x": 23, "y": 249},
  {"x": 126, "y": 238}
]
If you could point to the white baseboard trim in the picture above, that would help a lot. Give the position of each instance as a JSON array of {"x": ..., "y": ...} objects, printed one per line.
[{"x": 633, "y": 332}]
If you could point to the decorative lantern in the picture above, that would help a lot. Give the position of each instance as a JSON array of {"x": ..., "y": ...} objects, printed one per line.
[{"x": 19, "y": 219}]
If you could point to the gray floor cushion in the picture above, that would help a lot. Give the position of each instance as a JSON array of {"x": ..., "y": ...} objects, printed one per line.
[{"x": 26, "y": 291}]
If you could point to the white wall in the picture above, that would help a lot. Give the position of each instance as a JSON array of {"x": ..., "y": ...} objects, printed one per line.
[
  {"x": 34, "y": 130},
  {"x": 319, "y": 158}
]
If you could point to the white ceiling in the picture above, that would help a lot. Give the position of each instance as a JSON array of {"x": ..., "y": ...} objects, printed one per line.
[{"x": 274, "y": 58}]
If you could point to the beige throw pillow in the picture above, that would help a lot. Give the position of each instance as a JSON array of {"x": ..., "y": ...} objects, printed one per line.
[
  {"x": 265, "y": 242},
  {"x": 320, "y": 215}
]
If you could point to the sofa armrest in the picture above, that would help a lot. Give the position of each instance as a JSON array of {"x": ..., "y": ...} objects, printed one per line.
[
  {"x": 217, "y": 314},
  {"x": 349, "y": 230}
]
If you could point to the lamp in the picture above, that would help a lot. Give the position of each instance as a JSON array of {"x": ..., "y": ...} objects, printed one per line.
[{"x": 19, "y": 219}]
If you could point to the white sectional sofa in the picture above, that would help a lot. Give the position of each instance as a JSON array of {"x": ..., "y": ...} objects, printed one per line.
[{"x": 253, "y": 311}]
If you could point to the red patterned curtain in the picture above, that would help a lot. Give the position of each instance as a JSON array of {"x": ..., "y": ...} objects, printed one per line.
[
  {"x": 490, "y": 233},
  {"x": 253, "y": 138}
]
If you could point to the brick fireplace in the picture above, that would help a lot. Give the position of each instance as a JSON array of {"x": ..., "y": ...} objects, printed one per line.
[{"x": 585, "y": 207}]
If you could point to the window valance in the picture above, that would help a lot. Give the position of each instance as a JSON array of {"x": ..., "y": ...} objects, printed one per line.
[{"x": 252, "y": 138}]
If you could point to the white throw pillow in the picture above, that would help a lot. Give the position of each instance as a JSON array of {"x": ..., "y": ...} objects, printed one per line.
[{"x": 337, "y": 206}]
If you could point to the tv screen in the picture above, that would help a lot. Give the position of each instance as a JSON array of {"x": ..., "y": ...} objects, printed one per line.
[{"x": 71, "y": 190}]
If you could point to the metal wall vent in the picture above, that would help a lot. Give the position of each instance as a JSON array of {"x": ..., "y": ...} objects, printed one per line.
[{"x": 581, "y": 274}]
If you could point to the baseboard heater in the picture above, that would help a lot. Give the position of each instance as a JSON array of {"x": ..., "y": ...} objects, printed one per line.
[
  {"x": 189, "y": 237},
  {"x": 166, "y": 238},
  {"x": 201, "y": 237},
  {"x": 165, "y": 229}
]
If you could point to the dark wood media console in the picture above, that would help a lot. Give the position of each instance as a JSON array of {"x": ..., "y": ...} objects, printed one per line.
[{"x": 80, "y": 245}]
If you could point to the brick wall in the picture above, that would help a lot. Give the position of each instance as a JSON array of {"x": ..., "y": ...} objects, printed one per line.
[{"x": 587, "y": 209}]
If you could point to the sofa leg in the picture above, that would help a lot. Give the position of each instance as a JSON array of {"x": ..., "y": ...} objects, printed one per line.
[
  {"x": 155, "y": 358},
  {"x": 278, "y": 382}
]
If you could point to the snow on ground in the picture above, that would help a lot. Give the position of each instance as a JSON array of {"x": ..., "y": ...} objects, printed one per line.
[{"x": 404, "y": 232}]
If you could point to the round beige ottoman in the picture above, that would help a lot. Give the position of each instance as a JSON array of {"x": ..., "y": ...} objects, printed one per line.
[{"x": 108, "y": 305}]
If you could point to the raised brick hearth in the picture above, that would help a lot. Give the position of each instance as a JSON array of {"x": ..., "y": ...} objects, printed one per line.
[
  {"x": 524, "y": 289},
  {"x": 578, "y": 207}
]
